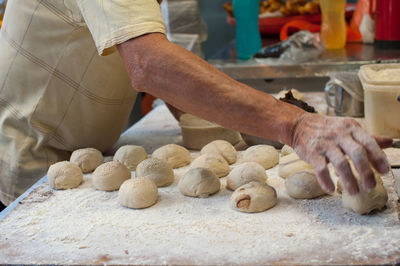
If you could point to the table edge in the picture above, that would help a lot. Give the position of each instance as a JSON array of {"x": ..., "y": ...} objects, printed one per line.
[{"x": 15, "y": 203}]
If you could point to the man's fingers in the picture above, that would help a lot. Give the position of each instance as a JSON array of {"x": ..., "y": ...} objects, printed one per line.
[
  {"x": 342, "y": 166},
  {"x": 375, "y": 155},
  {"x": 358, "y": 155},
  {"x": 383, "y": 142},
  {"x": 322, "y": 173}
]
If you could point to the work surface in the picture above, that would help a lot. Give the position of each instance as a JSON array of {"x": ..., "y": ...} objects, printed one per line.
[{"x": 87, "y": 226}]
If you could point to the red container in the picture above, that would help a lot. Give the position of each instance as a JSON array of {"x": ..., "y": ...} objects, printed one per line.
[{"x": 387, "y": 31}]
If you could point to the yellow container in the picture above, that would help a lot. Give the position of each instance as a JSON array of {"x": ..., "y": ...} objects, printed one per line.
[
  {"x": 2, "y": 10},
  {"x": 381, "y": 83},
  {"x": 333, "y": 26}
]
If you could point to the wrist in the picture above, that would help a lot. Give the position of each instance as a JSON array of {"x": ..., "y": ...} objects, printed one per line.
[{"x": 291, "y": 125}]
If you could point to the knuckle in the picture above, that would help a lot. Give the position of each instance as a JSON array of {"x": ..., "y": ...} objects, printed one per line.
[
  {"x": 358, "y": 153},
  {"x": 349, "y": 122}
]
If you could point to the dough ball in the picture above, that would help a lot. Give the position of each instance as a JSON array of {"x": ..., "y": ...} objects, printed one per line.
[
  {"x": 245, "y": 173},
  {"x": 87, "y": 159},
  {"x": 159, "y": 171},
  {"x": 199, "y": 182},
  {"x": 365, "y": 202},
  {"x": 130, "y": 156},
  {"x": 64, "y": 175},
  {"x": 296, "y": 94},
  {"x": 286, "y": 150},
  {"x": 221, "y": 148},
  {"x": 175, "y": 155},
  {"x": 109, "y": 176},
  {"x": 265, "y": 155},
  {"x": 254, "y": 197},
  {"x": 138, "y": 193},
  {"x": 303, "y": 185},
  {"x": 215, "y": 163},
  {"x": 291, "y": 164}
]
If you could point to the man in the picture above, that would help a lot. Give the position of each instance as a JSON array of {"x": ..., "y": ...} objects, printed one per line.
[{"x": 63, "y": 86}]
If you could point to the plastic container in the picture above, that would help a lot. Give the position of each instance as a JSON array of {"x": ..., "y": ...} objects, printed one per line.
[
  {"x": 196, "y": 132},
  {"x": 248, "y": 39},
  {"x": 187, "y": 41},
  {"x": 333, "y": 26},
  {"x": 381, "y": 83},
  {"x": 2, "y": 10},
  {"x": 387, "y": 31}
]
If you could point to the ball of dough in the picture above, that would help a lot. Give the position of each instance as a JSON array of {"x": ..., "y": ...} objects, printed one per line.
[
  {"x": 159, "y": 171},
  {"x": 109, "y": 176},
  {"x": 175, "y": 155},
  {"x": 130, "y": 156},
  {"x": 245, "y": 173},
  {"x": 286, "y": 150},
  {"x": 303, "y": 185},
  {"x": 87, "y": 159},
  {"x": 64, "y": 175},
  {"x": 265, "y": 155},
  {"x": 365, "y": 202},
  {"x": 254, "y": 197},
  {"x": 220, "y": 148},
  {"x": 215, "y": 163},
  {"x": 291, "y": 164},
  {"x": 199, "y": 182},
  {"x": 138, "y": 193}
]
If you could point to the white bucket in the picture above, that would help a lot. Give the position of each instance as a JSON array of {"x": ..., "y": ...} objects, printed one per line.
[{"x": 381, "y": 83}]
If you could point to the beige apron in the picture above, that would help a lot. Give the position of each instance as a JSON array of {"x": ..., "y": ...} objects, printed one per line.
[{"x": 56, "y": 93}]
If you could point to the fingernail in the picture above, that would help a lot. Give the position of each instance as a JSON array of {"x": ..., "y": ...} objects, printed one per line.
[{"x": 384, "y": 167}]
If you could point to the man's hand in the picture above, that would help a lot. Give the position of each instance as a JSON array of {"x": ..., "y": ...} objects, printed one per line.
[{"x": 320, "y": 139}]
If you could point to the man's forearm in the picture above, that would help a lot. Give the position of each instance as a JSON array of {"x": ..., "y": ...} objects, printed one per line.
[{"x": 170, "y": 72}]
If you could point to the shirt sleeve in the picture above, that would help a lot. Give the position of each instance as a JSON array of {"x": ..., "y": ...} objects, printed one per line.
[{"x": 112, "y": 22}]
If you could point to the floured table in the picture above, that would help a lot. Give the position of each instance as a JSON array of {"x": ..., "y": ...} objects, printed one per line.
[{"x": 85, "y": 226}]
